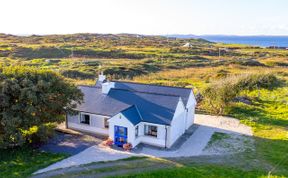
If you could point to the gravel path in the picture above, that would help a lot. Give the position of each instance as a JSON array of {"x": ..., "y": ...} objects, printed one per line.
[
  {"x": 194, "y": 145},
  {"x": 223, "y": 124},
  {"x": 95, "y": 153}
]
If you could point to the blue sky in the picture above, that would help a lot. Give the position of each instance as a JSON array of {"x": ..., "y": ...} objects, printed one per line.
[{"x": 229, "y": 17}]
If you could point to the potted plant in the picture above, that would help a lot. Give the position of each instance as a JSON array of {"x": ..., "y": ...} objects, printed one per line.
[
  {"x": 108, "y": 142},
  {"x": 127, "y": 146}
]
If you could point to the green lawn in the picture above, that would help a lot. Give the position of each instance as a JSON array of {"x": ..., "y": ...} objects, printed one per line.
[
  {"x": 268, "y": 117},
  {"x": 22, "y": 162},
  {"x": 200, "y": 171},
  {"x": 210, "y": 171}
]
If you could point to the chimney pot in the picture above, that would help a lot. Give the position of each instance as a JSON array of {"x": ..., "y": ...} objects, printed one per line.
[{"x": 107, "y": 86}]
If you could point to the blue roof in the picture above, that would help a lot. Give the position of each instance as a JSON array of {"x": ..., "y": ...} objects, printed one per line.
[
  {"x": 184, "y": 93},
  {"x": 153, "y": 108},
  {"x": 132, "y": 113}
]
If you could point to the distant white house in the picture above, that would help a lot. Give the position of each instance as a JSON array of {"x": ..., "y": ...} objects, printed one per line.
[
  {"x": 135, "y": 113},
  {"x": 188, "y": 45}
]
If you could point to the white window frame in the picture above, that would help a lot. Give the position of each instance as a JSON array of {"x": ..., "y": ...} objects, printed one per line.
[
  {"x": 148, "y": 131},
  {"x": 82, "y": 118},
  {"x": 106, "y": 123}
]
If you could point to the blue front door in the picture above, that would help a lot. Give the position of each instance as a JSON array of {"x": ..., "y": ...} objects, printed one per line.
[{"x": 120, "y": 135}]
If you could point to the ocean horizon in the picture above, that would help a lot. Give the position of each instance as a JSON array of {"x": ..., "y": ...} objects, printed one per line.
[
  {"x": 260, "y": 40},
  {"x": 263, "y": 41}
]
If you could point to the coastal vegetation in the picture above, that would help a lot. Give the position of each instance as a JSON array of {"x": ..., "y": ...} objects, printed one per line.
[
  {"x": 245, "y": 82},
  {"x": 31, "y": 100},
  {"x": 218, "y": 95}
]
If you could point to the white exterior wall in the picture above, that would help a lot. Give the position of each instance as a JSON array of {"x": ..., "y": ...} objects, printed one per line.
[
  {"x": 190, "y": 116},
  {"x": 178, "y": 124},
  {"x": 155, "y": 141},
  {"x": 121, "y": 120},
  {"x": 190, "y": 112},
  {"x": 131, "y": 136},
  {"x": 96, "y": 124}
]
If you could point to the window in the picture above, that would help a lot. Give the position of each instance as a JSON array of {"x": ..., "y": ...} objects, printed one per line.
[
  {"x": 136, "y": 131},
  {"x": 122, "y": 131},
  {"x": 151, "y": 130},
  {"x": 106, "y": 124},
  {"x": 85, "y": 119}
]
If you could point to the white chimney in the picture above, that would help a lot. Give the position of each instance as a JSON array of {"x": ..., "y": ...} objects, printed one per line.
[
  {"x": 101, "y": 77},
  {"x": 107, "y": 86}
]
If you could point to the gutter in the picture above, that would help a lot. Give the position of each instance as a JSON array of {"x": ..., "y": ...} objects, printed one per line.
[{"x": 165, "y": 137}]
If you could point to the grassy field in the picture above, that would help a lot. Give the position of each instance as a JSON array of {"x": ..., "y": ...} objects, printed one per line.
[
  {"x": 200, "y": 171},
  {"x": 22, "y": 162},
  {"x": 268, "y": 117},
  {"x": 159, "y": 60}
]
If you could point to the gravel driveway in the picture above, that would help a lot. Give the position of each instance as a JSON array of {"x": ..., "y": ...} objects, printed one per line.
[
  {"x": 193, "y": 146},
  {"x": 196, "y": 143},
  {"x": 69, "y": 143}
]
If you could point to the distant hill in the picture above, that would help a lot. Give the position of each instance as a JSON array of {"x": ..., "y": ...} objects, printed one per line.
[
  {"x": 183, "y": 36},
  {"x": 89, "y": 45}
]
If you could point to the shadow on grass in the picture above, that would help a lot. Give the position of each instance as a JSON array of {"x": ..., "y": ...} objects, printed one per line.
[{"x": 22, "y": 162}]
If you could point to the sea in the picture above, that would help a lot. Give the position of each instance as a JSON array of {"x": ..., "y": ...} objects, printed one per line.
[{"x": 263, "y": 41}]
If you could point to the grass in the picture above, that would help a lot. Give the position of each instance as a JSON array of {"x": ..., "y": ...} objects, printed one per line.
[
  {"x": 268, "y": 116},
  {"x": 210, "y": 171},
  {"x": 22, "y": 162},
  {"x": 133, "y": 164},
  {"x": 217, "y": 136}
]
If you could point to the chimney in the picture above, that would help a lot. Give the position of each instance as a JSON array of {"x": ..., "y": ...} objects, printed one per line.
[
  {"x": 101, "y": 77},
  {"x": 107, "y": 86}
]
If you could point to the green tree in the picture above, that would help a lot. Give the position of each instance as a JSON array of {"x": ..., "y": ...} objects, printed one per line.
[{"x": 30, "y": 99}]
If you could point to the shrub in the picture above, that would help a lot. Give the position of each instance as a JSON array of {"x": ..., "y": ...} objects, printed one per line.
[
  {"x": 127, "y": 146},
  {"x": 75, "y": 74},
  {"x": 247, "y": 62},
  {"x": 36, "y": 135},
  {"x": 109, "y": 142},
  {"x": 254, "y": 81},
  {"x": 220, "y": 93}
]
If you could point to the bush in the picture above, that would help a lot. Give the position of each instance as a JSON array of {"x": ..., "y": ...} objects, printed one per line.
[
  {"x": 220, "y": 93},
  {"x": 109, "y": 142},
  {"x": 254, "y": 81},
  {"x": 247, "y": 62},
  {"x": 127, "y": 146},
  {"x": 75, "y": 74},
  {"x": 36, "y": 135}
]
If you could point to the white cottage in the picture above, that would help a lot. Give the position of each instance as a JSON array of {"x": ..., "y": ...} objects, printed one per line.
[{"x": 134, "y": 113}]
